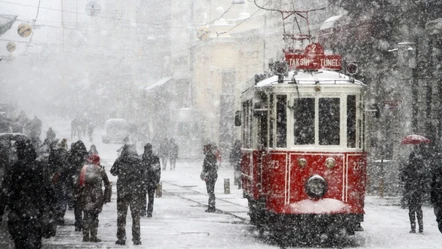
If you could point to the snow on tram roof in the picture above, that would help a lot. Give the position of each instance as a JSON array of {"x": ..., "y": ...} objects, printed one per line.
[{"x": 324, "y": 77}]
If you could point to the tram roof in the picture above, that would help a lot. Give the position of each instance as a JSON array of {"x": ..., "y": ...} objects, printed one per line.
[{"x": 324, "y": 77}]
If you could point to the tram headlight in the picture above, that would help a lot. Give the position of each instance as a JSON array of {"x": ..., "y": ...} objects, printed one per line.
[
  {"x": 330, "y": 163},
  {"x": 316, "y": 186},
  {"x": 302, "y": 162}
]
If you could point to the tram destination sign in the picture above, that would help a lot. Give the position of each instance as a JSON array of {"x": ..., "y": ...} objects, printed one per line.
[{"x": 313, "y": 58}]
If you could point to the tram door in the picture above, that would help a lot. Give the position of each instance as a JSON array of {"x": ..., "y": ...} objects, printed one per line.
[{"x": 262, "y": 139}]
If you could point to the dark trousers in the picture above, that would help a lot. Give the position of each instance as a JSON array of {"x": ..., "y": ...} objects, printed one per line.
[
  {"x": 164, "y": 162},
  {"x": 123, "y": 203},
  {"x": 415, "y": 210},
  {"x": 149, "y": 201},
  {"x": 90, "y": 224},
  {"x": 25, "y": 232},
  {"x": 62, "y": 201},
  {"x": 210, "y": 186},
  {"x": 172, "y": 163},
  {"x": 438, "y": 213},
  {"x": 78, "y": 214}
]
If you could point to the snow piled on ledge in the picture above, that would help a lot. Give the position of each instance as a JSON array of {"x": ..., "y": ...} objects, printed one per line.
[{"x": 322, "y": 206}]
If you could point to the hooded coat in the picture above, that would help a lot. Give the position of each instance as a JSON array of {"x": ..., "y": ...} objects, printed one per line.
[
  {"x": 151, "y": 163},
  {"x": 414, "y": 177},
  {"x": 130, "y": 172},
  {"x": 90, "y": 185}
]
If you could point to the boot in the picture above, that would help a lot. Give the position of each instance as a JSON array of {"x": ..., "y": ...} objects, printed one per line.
[
  {"x": 420, "y": 220},
  {"x": 412, "y": 222},
  {"x": 94, "y": 232},
  {"x": 86, "y": 237}
]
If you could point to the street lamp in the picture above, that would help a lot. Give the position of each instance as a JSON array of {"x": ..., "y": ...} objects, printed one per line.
[{"x": 238, "y": 2}]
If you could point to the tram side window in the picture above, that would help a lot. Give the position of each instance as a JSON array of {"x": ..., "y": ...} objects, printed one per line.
[
  {"x": 246, "y": 126},
  {"x": 329, "y": 121},
  {"x": 351, "y": 121},
  {"x": 281, "y": 121},
  {"x": 271, "y": 120},
  {"x": 304, "y": 121}
]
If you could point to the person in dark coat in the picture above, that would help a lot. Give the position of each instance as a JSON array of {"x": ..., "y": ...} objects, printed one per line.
[
  {"x": 173, "y": 153},
  {"x": 49, "y": 223},
  {"x": 414, "y": 178},
  {"x": 209, "y": 174},
  {"x": 91, "y": 197},
  {"x": 26, "y": 195},
  {"x": 130, "y": 191},
  {"x": 151, "y": 163},
  {"x": 90, "y": 131},
  {"x": 163, "y": 153},
  {"x": 59, "y": 167},
  {"x": 235, "y": 161},
  {"x": 436, "y": 191},
  {"x": 76, "y": 159},
  {"x": 50, "y": 135}
]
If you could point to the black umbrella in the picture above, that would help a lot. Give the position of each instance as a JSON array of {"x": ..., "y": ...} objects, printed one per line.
[{"x": 6, "y": 22}]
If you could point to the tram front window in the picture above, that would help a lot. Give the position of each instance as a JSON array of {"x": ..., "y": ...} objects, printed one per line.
[
  {"x": 329, "y": 121},
  {"x": 304, "y": 121}
]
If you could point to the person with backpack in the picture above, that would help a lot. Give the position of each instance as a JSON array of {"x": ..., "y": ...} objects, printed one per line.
[
  {"x": 151, "y": 162},
  {"x": 91, "y": 197}
]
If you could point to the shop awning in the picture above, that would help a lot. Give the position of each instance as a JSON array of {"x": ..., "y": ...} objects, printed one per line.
[
  {"x": 158, "y": 84},
  {"x": 6, "y": 22},
  {"x": 434, "y": 27}
]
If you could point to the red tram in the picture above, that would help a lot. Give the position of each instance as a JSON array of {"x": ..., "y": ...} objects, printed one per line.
[{"x": 303, "y": 157}]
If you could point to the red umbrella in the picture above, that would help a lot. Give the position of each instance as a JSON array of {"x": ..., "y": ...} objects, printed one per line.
[{"x": 415, "y": 139}]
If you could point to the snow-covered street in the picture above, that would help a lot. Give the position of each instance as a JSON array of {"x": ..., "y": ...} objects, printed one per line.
[{"x": 179, "y": 220}]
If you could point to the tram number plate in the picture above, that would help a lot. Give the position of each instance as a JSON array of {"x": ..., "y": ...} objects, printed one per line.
[
  {"x": 358, "y": 165},
  {"x": 274, "y": 164}
]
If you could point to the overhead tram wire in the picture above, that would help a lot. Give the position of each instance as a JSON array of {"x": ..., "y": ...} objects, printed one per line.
[
  {"x": 81, "y": 13},
  {"x": 243, "y": 20},
  {"x": 32, "y": 34}
]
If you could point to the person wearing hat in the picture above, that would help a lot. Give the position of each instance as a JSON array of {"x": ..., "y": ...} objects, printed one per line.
[
  {"x": 209, "y": 174},
  {"x": 91, "y": 197}
]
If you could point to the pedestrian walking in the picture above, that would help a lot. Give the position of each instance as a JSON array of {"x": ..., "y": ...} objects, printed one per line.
[
  {"x": 235, "y": 161},
  {"x": 48, "y": 220},
  {"x": 59, "y": 166},
  {"x": 130, "y": 190},
  {"x": 26, "y": 196},
  {"x": 90, "y": 131},
  {"x": 50, "y": 135},
  {"x": 163, "y": 153},
  {"x": 414, "y": 178},
  {"x": 151, "y": 163},
  {"x": 76, "y": 158},
  {"x": 436, "y": 190},
  {"x": 91, "y": 197},
  {"x": 173, "y": 153},
  {"x": 209, "y": 174}
]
